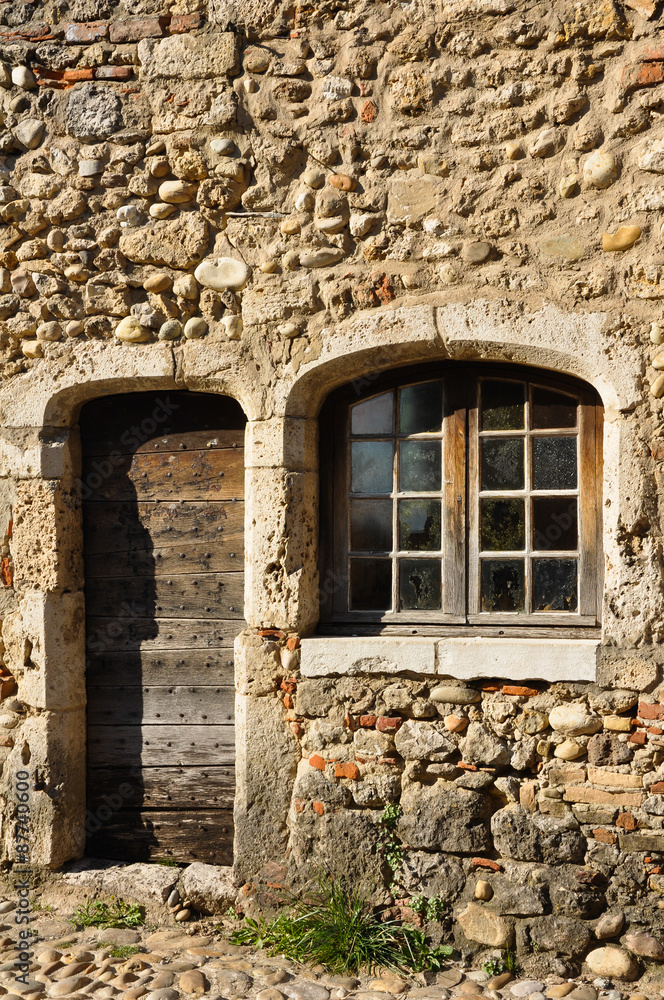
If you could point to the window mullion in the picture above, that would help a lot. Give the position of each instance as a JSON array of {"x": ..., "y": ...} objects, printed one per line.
[{"x": 454, "y": 497}]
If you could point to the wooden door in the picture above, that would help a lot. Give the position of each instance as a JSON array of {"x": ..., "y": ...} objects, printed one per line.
[{"x": 163, "y": 514}]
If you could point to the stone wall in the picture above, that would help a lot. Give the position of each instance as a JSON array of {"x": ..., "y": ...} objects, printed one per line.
[{"x": 269, "y": 200}]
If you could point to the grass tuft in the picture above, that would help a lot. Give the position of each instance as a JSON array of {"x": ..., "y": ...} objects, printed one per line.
[
  {"x": 123, "y": 951},
  {"x": 336, "y": 926},
  {"x": 116, "y": 913}
]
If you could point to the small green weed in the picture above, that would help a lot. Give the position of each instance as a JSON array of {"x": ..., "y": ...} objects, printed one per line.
[
  {"x": 390, "y": 845},
  {"x": 507, "y": 962},
  {"x": 116, "y": 913},
  {"x": 336, "y": 927},
  {"x": 122, "y": 951},
  {"x": 64, "y": 944},
  {"x": 428, "y": 907},
  {"x": 169, "y": 862}
]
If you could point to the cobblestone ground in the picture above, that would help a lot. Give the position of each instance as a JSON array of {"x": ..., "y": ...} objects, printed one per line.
[{"x": 174, "y": 962}]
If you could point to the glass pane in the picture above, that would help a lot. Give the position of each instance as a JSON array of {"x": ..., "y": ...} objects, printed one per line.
[
  {"x": 555, "y": 523},
  {"x": 503, "y": 525},
  {"x": 419, "y": 582},
  {"x": 502, "y": 406},
  {"x": 371, "y": 466},
  {"x": 554, "y": 585},
  {"x": 371, "y": 584},
  {"x": 554, "y": 463},
  {"x": 373, "y": 416},
  {"x": 421, "y": 408},
  {"x": 502, "y": 464},
  {"x": 502, "y": 585},
  {"x": 419, "y": 525},
  {"x": 552, "y": 409},
  {"x": 371, "y": 525},
  {"x": 419, "y": 465}
]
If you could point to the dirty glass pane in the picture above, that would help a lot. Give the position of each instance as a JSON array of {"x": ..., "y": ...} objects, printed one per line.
[
  {"x": 373, "y": 416},
  {"x": 502, "y": 585},
  {"x": 421, "y": 408},
  {"x": 501, "y": 406},
  {"x": 371, "y": 525},
  {"x": 502, "y": 464},
  {"x": 371, "y": 466},
  {"x": 419, "y": 583},
  {"x": 419, "y": 465},
  {"x": 419, "y": 525},
  {"x": 552, "y": 409},
  {"x": 554, "y": 463},
  {"x": 503, "y": 525},
  {"x": 371, "y": 584},
  {"x": 554, "y": 585},
  {"x": 555, "y": 523}
]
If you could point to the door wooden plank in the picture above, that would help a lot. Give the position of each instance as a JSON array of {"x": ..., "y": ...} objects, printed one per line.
[
  {"x": 218, "y": 557},
  {"x": 192, "y": 595},
  {"x": 187, "y": 475},
  {"x": 150, "y": 667},
  {"x": 204, "y": 788},
  {"x": 152, "y": 835},
  {"x": 132, "y": 420},
  {"x": 161, "y": 705},
  {"x": 103, "y": 447},
  {"x": 116, "y": 634},
  {"x": 160, "y": 746},
  {"x": 121, "y": 526}
]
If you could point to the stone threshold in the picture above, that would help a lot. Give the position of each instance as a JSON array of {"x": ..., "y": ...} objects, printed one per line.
[{"x": 462, "y": 658}]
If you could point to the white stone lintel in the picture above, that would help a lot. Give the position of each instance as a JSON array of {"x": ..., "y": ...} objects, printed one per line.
[{"x": 462, "y": 658}]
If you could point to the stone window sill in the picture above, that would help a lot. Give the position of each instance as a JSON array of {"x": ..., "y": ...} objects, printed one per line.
[{"x": 463, "y": 658}]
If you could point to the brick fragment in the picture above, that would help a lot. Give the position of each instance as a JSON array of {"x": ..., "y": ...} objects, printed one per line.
[
  {"x": 114, "y": 72},
  {"x": 133, "y": 29},
  {"x": 486, "y": 863},
  {"x": 519, "y": 689},
  {"x": 295, "y": 728},
  {"x": 288, "y": 684},
  {"x": 604, "y": 836},
  {"x": 657, "y": 788},
  {"x": 368, "y": 721},
  {"x": 85, "y": 31},
  {"x": 386, "y": 724},
  {"x": 368, "y": 112},
  {"x": 317, "y": 762},
  {"x": 318, "y": 808},
  {"x": 6, "y": 571},
  {"x": 645, "y": 74},
  {"x": 647, "y": 711},
  {"x": 346, "y": 770},
  {"x": 180, "y": 23},
  {"x": 467, "y": 767},
  {"x": 655, "y": 730},
  {"x": 626, "y": 821},
  {"x": 7, "y": 687},
  {"x": 639, "y": 738},
  {"x": 490, "y": 687},
  {"x": 63, "y": 75},
  {"x": 293, "y": 642}
]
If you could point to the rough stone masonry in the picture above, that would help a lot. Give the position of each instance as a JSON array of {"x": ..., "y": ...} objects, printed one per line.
[{"x": 268, "y": 199}]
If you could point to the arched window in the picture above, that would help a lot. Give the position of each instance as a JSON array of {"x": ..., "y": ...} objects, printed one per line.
[{"x": 461, "y": 495}]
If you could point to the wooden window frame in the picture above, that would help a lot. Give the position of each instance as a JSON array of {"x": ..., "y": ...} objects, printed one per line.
[{"x": 460, "y": 614}]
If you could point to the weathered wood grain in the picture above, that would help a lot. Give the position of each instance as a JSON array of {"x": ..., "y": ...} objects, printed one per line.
[
  {"x": 220, "y": 557},
  {"x": 127, "y": 633},
  {"x": 125, "y": 526},
  {"x": 161, "y": 705},
  {"x": 188, "y": 475},
  {"x": 160, "y": 746},
  {"x": 152, "y": 835},
  {"x": 163, "y": 667},
  {"x": 191, "y": 595},
  {"x": 197, "y": 788}
]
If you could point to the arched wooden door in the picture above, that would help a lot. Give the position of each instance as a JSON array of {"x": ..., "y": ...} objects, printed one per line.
[{"x": 163, "y": 512}]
